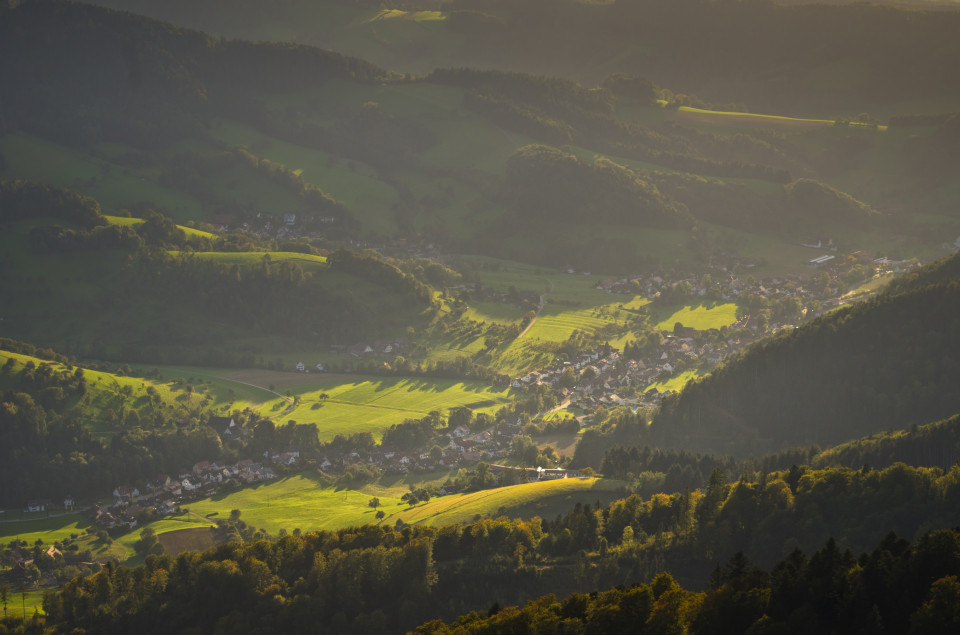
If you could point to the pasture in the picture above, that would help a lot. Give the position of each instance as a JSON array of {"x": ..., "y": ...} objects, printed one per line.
[
  {"x": 225, "y": 392},
  {"x": 38, "y": 525},
  {"x": 545, "y": 499},
  {"x": 677, "y": 382},
  {"x": 374, "y": 404},
  {"x": 689, "y": 114},
  {"x": 115, "y": 186},
  {"x": 295, "y": 502},
  {"x": 129, "y": 221},
  {"x": 339, "y": 404},
  {"x": 573, "y": 303},
  {"x": 701, "y": 316},
  {"x": 311, "y": 261},
  {"x": 25, "y": 604},
  {"x": 351, "y": 182}
]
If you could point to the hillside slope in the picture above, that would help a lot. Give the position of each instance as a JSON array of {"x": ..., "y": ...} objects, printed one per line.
[
  {"x": 865, "y": 57},
  {"x": 882, "y": 365}
]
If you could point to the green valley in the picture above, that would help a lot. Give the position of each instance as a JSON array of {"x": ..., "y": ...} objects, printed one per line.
[{"x": 368, "y": 317}]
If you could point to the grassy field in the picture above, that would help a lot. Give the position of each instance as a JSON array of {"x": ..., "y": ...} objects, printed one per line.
[
  {"x": 107, "y": 391},
  {"x": 114, "y": 186},
  {"x": 677, "y": 382},
  {"x": 25, "y": 605},
  {"x": 295, "y": 502},
  {"x": 130, "y": 222},
  {"x": 353, "y": 403},
  {"x": 252, "y": 257},
  {"x": 573, "y": 304},
  {"x": 701, "y": 316},
  {"x": 545, "y": 499},
  {"x": 698, "y": 115},
  {"x": 41, "y": 527},
  {"x": 225, "y": 393},
  {"x": 372, "y": 405}
]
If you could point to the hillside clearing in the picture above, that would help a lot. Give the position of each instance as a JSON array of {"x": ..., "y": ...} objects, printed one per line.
[
  {"x": 295, "y": 502},
  {"x": 701, "y": 317},
  {"x": 545, "y": 499}
]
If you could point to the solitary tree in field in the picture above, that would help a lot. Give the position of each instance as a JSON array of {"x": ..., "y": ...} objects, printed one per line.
[{"x": 374, "y": 502}]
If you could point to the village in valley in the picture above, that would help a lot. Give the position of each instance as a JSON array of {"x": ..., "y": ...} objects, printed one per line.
[{"x": 600, "y": 378}]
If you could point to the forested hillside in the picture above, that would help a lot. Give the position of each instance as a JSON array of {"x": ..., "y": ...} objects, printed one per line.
[
  {"x": 897, "y": 587},
  {"x": 934, "y": 444},
  {"x": 139, "y": 293},
  {"x": 242, "y": 134},
  {"x": 347, "y": 580},
  {"x": 69, "y": 430},
  {"x": 866, "y": 58},
  {"x": 882, "y": 365}
]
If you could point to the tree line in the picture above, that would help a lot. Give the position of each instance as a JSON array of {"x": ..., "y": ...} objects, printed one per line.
[
  {"x": 896, "y": 587},
  {"x": 339, "y": 578}
]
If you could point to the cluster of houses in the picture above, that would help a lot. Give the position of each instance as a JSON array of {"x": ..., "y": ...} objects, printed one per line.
[
  {"x": 603, "y": 378},
  {"x": 729, "y": 286},
  {"x": 165, "y": 493},
  {"x": 261, "y": 224},
  {"x": 358, "y": 350},
  {"x": 533, "y": 474},
  {"x": 48, "y": 505}
]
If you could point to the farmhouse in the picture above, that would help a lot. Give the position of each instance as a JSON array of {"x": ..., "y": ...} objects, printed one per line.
[
  {"x": 124, "y": 494},
  {"x": 226, "y": 427},
  {"x": 38, "y": 505}
]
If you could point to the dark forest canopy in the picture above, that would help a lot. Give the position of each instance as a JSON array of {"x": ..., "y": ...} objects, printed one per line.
[
  {"x": 933, "y": 444},
  {"x": 881, "y": 365},
  {"x": 129, "y": 77},
  {"x": 896, "y": 588},
  {"x": 548, "y": 184},
  {"x": 383, "y": 579}
]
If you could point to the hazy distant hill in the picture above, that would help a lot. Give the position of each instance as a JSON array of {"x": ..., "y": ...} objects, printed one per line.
[
  {"x": 861, "y": 57},
  {"x": 232, "y": 132}
]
